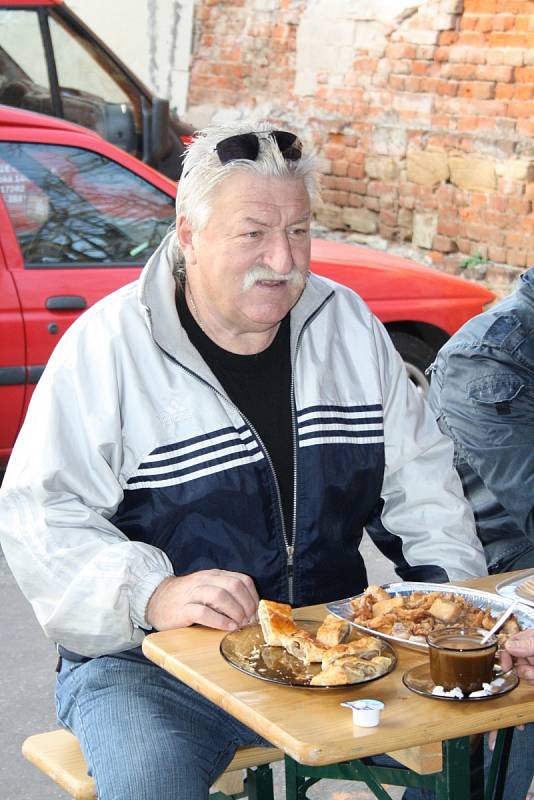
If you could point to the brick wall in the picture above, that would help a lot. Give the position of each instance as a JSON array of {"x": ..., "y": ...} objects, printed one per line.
[{"x": 423, "y": 118}]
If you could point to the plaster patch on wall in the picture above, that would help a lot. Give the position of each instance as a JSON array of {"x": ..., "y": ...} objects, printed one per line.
[{"x": 331, "y": 30}]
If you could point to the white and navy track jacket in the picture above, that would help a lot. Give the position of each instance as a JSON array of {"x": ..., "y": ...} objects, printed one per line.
[{"x": 133, "y": 464}]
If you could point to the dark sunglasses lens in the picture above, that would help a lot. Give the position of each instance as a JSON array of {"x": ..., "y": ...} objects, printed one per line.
[
  {"x": 243, "y": 145},
  {"x": 288, "y": 144}
]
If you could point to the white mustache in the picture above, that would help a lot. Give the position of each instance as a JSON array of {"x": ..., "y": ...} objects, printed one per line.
[{"x": 263, "y": 273}]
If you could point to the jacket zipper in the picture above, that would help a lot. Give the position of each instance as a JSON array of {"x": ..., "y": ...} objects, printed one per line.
[{"x": 290, "y": 548}]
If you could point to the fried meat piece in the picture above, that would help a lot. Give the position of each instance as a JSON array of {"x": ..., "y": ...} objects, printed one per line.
[
  {"x": 445, "y": 610},
  {"x": 391, "y": 604}
]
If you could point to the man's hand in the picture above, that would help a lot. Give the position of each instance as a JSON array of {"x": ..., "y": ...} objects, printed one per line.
[
  {"x": 212, "y": 597},
  {"x": 521, "y": 647}
]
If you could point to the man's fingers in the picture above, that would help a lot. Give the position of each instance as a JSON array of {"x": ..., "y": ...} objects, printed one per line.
[
  {"x": 227, "y": 599},
  {"x": 525, "y": 672},
  {"x": 505, "y": 660},
  {"x": 521, "y": 644},
  {"x": 209, "y": 617}
]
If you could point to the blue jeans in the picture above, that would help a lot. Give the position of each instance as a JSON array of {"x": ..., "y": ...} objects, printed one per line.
[{"x": 143, "y": 733}]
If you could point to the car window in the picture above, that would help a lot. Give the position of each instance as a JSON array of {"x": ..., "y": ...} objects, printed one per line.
[
  {"x": 94, "y": 92},
  {"x": 23, "y": 71},
  {"x": 74, "y": 207}
]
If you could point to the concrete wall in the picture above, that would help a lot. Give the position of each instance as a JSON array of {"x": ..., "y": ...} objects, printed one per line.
[{"x": 153, "y": 37}]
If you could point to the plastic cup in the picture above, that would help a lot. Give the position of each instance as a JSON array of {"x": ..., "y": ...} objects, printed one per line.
[{"x": 365, "y": 713}]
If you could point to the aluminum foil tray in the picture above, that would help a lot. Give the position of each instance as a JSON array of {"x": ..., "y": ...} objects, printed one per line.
[
  {"x": 343, "y": 609},
  {"x": 508, "y": 588}
]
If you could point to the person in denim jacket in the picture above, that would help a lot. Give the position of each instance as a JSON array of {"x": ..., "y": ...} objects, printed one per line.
[{"x": 482, "y": 393}]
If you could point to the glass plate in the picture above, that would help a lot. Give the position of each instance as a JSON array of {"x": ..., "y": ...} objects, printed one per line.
[
  {"x": 343, "y": 608},
  {"x": 419, "y": 681},
  {"x": 246, "y": 650},
  {"x": 508, "y": 589}
]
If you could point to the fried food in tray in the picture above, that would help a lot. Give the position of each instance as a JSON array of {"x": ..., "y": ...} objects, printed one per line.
[
  {"x": 342, "y": 662},
  {"x": 412, "y": 616}
]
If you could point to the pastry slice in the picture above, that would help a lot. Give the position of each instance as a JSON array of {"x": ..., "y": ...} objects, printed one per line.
[
  {"x": 333, "y": 631},
  {"x": 276, "y": 621},
  {"x": 303, "y": 646},
  {"x": 365, "y": 647},
  {"x": 345, "y": 670}
]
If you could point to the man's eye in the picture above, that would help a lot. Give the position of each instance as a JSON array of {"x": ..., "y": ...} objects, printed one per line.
[
  {"x": 299, "y": 231},
  {"x": 252, "y": 234}
]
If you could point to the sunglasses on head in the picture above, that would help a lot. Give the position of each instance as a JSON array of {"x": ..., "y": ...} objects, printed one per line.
[{"x": 247, "y": 146}]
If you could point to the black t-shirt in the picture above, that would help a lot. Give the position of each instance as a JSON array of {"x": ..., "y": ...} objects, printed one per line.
[{"x": 260, "y": 386}]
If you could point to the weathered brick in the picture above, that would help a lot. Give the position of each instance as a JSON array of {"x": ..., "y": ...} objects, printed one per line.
[
  {"x": 525, "y": 127},
  {"x": 477, "y": 89},
  {"x": 448, "y": 227},
  {"x": 508, "y": 39},
  {"x": 519, "y": 109},
  {"x": 360, "y": 219},
  {"x": 516, "y": 169},
  {"x": 517, "y": 257},
  {"x": 444, "y": 244},
  {"x": 503, "y": 22},
  {"x": 494, "y": 72},
  {"x": 473, "y": 173},
  {"x": 512, "y": 56},
  {"x": 424, "y": 229},
  {"x": 381, "y": 168},
  {"x": 340, "y": 167},
  {"x": 524, "y": 74},
  {"x": 427, "y": 167},
  {"x": 496, "y": 253},
  {"x": 506, "y": 186},
  {"x": 459, "y": 71}
]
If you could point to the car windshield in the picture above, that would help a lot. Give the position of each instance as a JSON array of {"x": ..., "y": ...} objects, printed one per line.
[{"x": 93, "y": 92}]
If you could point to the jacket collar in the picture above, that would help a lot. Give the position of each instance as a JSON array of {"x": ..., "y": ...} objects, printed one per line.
[
  {"x": 156, "y": 296},
  {"x": 526, "y": 284}
]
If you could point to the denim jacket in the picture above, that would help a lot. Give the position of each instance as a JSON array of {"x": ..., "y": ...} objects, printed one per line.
[{"x": 482, "y": 394}]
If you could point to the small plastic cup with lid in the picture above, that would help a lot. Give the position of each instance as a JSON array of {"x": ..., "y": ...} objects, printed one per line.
[{"x": 365, "y": 713}]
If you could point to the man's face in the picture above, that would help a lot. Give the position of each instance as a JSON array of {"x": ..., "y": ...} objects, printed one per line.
[{"x": 238, "y": 266}]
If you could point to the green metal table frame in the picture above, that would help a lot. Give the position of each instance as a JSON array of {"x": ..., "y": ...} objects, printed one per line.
[{"x": 451, "y": 783}]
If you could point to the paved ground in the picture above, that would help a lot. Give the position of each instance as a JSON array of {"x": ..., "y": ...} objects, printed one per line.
[{"x": 27, "y": 703}]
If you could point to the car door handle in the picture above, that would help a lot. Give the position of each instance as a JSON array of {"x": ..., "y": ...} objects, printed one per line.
[{"x": 65, "y": 302}]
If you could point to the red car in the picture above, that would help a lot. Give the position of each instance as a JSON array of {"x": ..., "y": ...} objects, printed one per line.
[{"x": 79, "y": 218}]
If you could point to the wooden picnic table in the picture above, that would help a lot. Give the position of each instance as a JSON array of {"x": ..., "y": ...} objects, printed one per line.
[{"x": 430, "y": 737}]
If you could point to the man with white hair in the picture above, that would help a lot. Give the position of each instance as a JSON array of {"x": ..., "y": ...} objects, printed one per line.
[{"x": 217, "y": 432}]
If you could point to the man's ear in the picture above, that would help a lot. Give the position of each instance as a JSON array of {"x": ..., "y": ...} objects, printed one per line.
[{"x": 184, "y": 233}]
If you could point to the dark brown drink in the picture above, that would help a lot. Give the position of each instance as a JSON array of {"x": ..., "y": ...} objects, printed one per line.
[{"x": 459, "y": 659}]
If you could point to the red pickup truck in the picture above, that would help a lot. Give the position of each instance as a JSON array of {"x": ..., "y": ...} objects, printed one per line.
[{"x": 79, "y": 218}]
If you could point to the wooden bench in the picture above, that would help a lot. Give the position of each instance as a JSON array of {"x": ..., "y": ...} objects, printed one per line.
[{"x": 57, "y": 754}]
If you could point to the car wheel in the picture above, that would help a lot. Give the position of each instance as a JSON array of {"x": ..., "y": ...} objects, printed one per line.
[{"x": 417, "y": 355}]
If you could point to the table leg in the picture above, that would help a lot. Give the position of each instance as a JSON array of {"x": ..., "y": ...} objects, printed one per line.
[
  {"x": 454, "y": 781},
  {"x": 499, "y": 763},
  {"x": 259, "y": 783}
]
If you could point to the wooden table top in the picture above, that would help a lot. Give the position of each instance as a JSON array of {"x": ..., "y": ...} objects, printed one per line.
[{"x": 312, "y": 727}]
